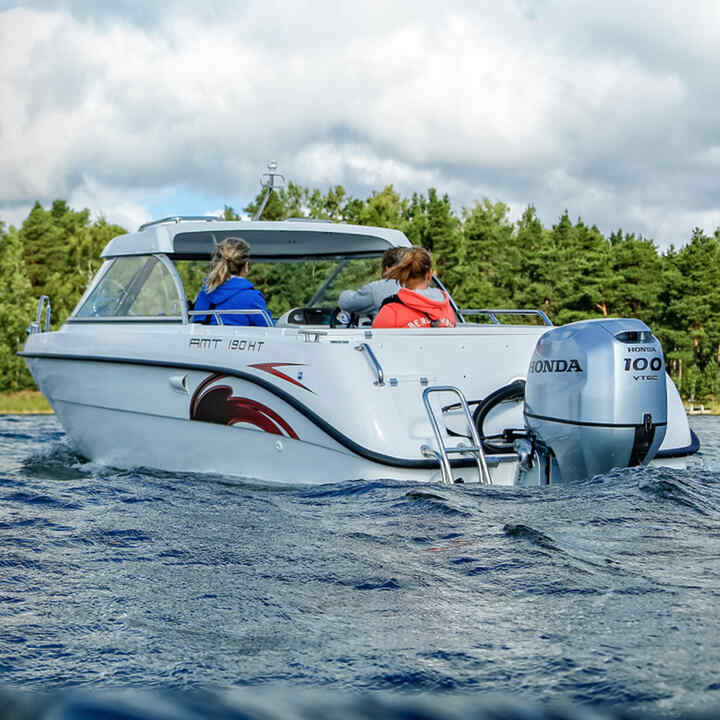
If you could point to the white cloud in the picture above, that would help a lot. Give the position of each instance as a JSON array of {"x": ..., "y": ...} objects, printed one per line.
[
  {"x": 610, "y": 111},
  {"x": 679, "y": 224},
  {"x": 329, "y": 163},
  {"x": 110, "y": 203}
]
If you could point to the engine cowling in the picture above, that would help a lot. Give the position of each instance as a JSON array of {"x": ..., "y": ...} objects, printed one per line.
[{"x": 596, "y": 398}]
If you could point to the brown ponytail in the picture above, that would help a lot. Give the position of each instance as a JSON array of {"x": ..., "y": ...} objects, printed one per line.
[
  {"x": 229, "y": 259},
  {"x": 415, "y": 263}
]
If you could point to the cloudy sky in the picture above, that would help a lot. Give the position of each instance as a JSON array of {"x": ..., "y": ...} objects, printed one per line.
[{"x": 143, "y": 109}]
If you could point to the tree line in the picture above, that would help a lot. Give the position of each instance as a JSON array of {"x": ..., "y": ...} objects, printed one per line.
[{"x": 570, "y": 270}]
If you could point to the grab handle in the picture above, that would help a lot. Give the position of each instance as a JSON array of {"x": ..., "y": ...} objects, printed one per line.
[
  {"x": 43, "y": 307},
  {"x": 380, "y": 375}
]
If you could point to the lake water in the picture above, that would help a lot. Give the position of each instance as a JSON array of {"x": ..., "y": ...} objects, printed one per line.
[{"x": 167, "y": 595}]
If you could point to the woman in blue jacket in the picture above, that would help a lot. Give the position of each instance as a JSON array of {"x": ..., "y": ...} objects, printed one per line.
[{"x": 227, "y": 287}]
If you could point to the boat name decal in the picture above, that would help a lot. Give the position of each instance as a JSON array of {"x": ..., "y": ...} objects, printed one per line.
[
  {"x": 545, "y": 366},
  {"x": 203, "y": 343},
  {"x": 248, "y": 345}
]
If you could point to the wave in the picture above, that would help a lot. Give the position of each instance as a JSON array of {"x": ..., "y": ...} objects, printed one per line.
[
  {"x": 57, "y": 460},
  {"x": 684, "y": 489},
  {"x": 524, "y": 532}
]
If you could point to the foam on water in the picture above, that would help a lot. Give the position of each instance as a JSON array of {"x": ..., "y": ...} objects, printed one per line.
[{"x": 600, "y": 593}]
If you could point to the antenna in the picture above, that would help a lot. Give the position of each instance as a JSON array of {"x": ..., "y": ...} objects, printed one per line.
[{"x": 268, "y": 182}]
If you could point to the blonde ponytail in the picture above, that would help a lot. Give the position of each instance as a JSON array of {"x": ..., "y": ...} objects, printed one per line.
[{"x": 229, "y": 259}]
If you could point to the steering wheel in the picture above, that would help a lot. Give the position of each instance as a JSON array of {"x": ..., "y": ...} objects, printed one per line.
[
  {"x": 104, "y": 300},
  {"x": 343, "y": 318}
]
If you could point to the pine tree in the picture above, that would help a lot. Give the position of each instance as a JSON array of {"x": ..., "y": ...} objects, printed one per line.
[
  {"x": 570, "y": 270},
  {"x": 533, "y": 289},
  {"x": 695, "y": 306},
  {"x": 383, "y": 209},
  {"x": 17, "y": 310},
  {"x": 486, "y": 262}
]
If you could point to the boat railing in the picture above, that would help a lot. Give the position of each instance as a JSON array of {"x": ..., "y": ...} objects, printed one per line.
[
  {"x": 37, "y": 325},
  {"x": 492, "y": 313},
  {"x": 181, "y": 218},
  {"x": 217, "y": 313}
]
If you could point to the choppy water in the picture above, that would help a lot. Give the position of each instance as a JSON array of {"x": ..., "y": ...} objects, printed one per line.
[{"x": 354, "y": 599}]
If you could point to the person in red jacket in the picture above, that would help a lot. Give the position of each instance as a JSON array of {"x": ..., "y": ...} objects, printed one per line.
[{"x": 416, "y": 304}]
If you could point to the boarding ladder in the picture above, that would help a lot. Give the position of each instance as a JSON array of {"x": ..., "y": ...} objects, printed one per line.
[{"x": 443, "y": 452}]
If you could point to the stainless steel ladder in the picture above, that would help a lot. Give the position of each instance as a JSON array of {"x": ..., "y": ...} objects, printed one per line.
[{"x": 443, "y": 451}]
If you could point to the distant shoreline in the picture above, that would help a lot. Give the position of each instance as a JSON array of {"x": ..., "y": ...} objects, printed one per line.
[
  {"x": 24, "y": 402},
  {"x": 27, "y": 412}
]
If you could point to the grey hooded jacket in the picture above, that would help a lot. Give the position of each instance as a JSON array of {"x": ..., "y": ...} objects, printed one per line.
[{"x": 368, "y": 299}]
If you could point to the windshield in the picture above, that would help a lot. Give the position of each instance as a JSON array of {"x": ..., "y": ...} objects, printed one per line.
[
  {"x": 287, "y": 285},
  {"x": 133, "y": 287}
]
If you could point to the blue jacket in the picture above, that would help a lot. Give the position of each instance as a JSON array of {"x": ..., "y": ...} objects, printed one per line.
[{"x": 235, "y": 294}]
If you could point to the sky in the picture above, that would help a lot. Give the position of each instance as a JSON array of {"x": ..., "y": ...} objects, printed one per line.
[{"x": 139, "y": 110}]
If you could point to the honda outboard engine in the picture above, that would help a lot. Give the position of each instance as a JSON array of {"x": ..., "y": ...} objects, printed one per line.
[{"x": 595, "y": 399}]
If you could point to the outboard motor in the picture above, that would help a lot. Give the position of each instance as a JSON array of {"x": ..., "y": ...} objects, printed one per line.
[{"x": 595, "y": 399}]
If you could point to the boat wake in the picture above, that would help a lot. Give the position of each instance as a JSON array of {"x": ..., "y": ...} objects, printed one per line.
[{"x": 59, "y": 461}]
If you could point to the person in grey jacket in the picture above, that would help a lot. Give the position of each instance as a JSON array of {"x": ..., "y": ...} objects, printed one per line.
[{"x": 368, "y": 299}]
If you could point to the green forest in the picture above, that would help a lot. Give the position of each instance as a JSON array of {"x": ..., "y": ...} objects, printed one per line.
[{"x": 570, "y": 270}]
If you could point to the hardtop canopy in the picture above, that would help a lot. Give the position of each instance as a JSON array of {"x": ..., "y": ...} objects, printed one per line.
[{"x": 287, "y": 240}]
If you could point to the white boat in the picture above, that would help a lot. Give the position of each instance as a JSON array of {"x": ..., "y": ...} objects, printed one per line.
[{"x": 135, "y": 382}]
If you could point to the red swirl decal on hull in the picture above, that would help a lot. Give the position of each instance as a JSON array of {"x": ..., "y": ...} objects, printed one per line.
[{"x": 218, "y": 405}]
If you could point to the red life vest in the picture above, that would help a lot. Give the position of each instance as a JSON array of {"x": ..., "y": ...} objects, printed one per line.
[{"x": 414, "y": 310}]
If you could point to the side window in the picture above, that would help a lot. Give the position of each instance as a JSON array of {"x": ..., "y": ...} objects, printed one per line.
[
  {"x": 157, "y": 295},
  {"x": 138, "y": 286}
]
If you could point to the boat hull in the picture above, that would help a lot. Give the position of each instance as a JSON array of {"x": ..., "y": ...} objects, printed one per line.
[
  {"x": 276, "y": 405},
  {"x": 109, "y": 428}
]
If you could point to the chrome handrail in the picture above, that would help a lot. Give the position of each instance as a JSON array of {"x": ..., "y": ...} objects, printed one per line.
[
  {"x": 379, "y": 374},
  {"x": 36, "y": 326},
  {"x": 180, "y": 218},
  {"x": 218, "y": 312},
  {"x": 443, "y": 461},
  {"x": 493, "y": 312}
]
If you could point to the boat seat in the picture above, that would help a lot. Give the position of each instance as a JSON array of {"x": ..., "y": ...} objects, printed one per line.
[
  {"x": 316, "y": 317},
  {"x": 306, "y": 317}
]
